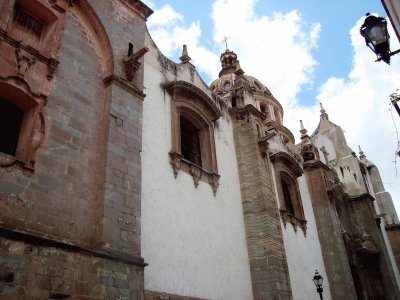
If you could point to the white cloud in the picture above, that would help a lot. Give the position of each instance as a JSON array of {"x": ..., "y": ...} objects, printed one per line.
[
  {"x": 275, "y": 49},
  {"x": 165, "y": 16},
  {"x": 278, "y": 51},
  {"x": 360, "y": 105}
]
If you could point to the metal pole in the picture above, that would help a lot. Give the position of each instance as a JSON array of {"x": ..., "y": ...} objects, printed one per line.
[{"x": 396, "y": 106}]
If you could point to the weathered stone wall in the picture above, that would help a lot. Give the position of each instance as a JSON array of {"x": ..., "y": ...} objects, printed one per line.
[
  {"x": 268, "y": 264},
  {"x": 393, "y": 232},
  {"x": 78, "y": 207},
  {"x": 330, "y": 233},
  {"x": 41, "y": 269}
]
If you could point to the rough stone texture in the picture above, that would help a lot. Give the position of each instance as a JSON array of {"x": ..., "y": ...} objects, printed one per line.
[
  {"x": 149, "y": 295},
  {"x": 330, "y": 234},
  {"x": 362, "y": 211},
  {"x": 34, "y": 271},
  {"x": 83, "y": 195},
  {"x": 393, "y": 232},
  {"x": 268, "y": 266}
]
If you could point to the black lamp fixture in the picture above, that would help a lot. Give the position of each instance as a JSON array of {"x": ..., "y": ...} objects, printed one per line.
[
  {"x": 374, "y": 31},
  {"x": 318, "y": 279}
]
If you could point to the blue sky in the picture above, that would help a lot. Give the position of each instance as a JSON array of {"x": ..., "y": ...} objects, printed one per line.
[{"x": 305, "y": 52}]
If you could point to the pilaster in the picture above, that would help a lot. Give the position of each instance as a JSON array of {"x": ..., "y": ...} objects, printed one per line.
[{"x": 268, "y": 264}]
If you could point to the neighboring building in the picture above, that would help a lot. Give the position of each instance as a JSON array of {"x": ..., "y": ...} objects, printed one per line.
[
  {"x": 392, "y": 8},
  {"x": 188, "y": 192}
]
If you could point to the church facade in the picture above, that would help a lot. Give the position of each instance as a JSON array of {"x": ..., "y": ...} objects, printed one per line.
[{"x": 123, "y": 175}]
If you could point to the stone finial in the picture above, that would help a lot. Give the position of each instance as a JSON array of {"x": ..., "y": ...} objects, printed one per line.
[
  {"x": 323, "y": 111},
  {"x": 185, "y": 56},
  {"x": 361, "y": 152},
  {"x": 303, "y": 131}
]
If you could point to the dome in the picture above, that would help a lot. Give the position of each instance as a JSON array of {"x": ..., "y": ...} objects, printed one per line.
[{"x": 227, "y": 75}]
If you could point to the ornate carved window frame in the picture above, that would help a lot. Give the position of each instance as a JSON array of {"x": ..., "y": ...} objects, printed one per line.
[
  {"x": 287, "y": 170},
  {"x": 198, "y": 108},
  {"x": 32, "y": 130}
]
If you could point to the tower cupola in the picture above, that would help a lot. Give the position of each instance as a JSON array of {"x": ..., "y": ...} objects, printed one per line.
[{"x": 229, "y": 62}]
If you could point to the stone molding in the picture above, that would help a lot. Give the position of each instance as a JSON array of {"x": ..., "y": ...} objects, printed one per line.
[
  {"x": 393, "y": 227},
  {"x": 126, "y": 85},
  {"x": 198, "y": 173},
  {"x": 26, "y": 56},
  {"x": 52, "y": 242},
  {"x": 245, "y": 112},
  {"x": 295, "y": 221}
]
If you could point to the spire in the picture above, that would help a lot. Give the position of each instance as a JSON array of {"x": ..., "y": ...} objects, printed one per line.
[
  {"x": 303, "y": 131},
  {"x": 361, "y": 152},
  {"x": 362, "y": 155},
  {"x": 324, "y": 115},
  {"x": 308, "y": 150},
  {"x": 323, "y": 111},
  {"x": 185, "y": 56}
]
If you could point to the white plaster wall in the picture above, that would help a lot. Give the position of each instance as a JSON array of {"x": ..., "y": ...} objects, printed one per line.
[
  {"x": 304, "y": 254},
  {"x": 193, "y": 242}
]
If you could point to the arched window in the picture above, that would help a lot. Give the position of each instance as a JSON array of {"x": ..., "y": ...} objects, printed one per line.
[
  {"x": 287, "y": 170},
  {"x": 287, "y": 197},
  {"x": 193, "y": 114},
  {"x": 190, "y": 142}
]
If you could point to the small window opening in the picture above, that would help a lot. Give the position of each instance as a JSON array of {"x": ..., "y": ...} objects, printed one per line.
[
  {"x": 190, "y": 142},
  {"x": 263, "y": 108},
  {"x": 130, "y": 49},
  {"x": 10, "y": 125},
  {"x": 233, "y": 101},
  {"x": 26, "y": 28},
  {"x": 287, "y": 198}
]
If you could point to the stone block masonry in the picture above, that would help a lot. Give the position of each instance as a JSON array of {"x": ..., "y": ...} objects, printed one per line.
[
  {"x": 268, "y": 264},
  {"x": 34, "y": 268}
]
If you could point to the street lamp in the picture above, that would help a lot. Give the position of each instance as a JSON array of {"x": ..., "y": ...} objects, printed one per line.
[
  {"x": 318, "y": 279},
  {"x": 374, "y": 31}
]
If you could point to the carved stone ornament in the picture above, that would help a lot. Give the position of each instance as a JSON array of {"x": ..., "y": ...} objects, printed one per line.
[
  {"x": 213, "y": 180},
  {"x": 132, "y": 64},
  {"x": 196, "y": 173},
  {"x": 24, "y": 60},
  {"x": 175, "y": 159},
  {"x": 296, "y": 222},
  {"x": 263, "y": 146}
]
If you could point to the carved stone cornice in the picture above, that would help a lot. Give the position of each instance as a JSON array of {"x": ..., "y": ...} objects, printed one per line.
[
  {"x": 139, "y": 8},
  {"x": 284, "y": 130},
  {"x": 296, "y": 222},
  {"x": 213, "y": 180},
  {"x": 244, "y": 112},
  {"x": 314, "y": 164},
  {"x": 393, "y": 227},
  {"x": 180, "y": 90},
  {"x": 291, "y": 163},
  {"x": 178, "y": 163},
  {"x": 196, "y": 173},
  {"x": 126, "y": 85},
  {"x": 365, "y": 197},
  {"x": 263, "y": 146},
  {"x": 175, "y": 159},
  {"x": 29, "y": 55}
]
